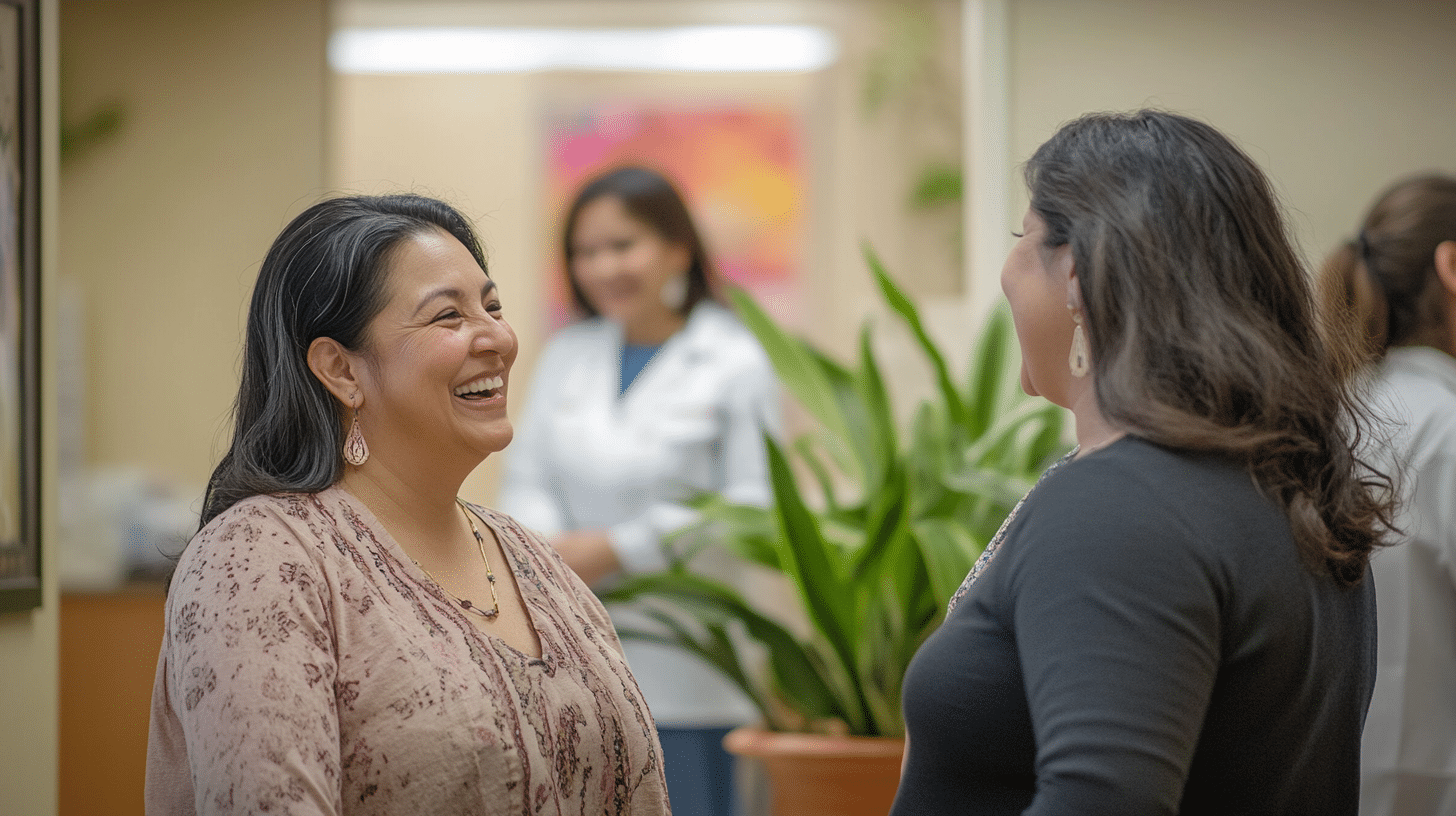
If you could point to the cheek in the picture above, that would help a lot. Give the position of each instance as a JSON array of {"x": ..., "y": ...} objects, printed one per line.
[
  {"x": 640, "y": 261},
  {"x": 434, "y": 351}
]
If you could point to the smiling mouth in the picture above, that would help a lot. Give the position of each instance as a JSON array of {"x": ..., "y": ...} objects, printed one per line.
[{"x": 480, "y": 388}]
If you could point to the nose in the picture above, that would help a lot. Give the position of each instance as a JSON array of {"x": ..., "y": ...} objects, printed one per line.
[{"x": 493, "y": 334}]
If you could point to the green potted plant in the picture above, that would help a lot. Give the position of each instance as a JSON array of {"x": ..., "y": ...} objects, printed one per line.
[{"x": 893, "y": 521}]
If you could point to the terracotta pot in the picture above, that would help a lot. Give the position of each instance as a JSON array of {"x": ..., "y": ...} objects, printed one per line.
[{"x": 819, "y": 775}]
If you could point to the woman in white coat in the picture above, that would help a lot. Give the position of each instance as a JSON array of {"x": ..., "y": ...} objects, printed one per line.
[
  {"x": 1395, "y": 283},
  {"x": 656, "y": 394}
]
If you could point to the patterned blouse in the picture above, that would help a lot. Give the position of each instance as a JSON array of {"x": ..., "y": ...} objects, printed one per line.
[{"x": 309, "y": 667}]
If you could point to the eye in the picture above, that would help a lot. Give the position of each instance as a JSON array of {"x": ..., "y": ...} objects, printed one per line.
[
  {"x": 1018, "y": 234},
  {"x": 448, "y": 314},
  {"x": 623, "y": 245},
  {"x": 494, "y": 307}
]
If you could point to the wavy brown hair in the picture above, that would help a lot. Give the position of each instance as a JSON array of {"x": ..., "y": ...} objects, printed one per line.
[
  {"x": 1202, "y": 322},
  {"x": 1381, "y": 287}
]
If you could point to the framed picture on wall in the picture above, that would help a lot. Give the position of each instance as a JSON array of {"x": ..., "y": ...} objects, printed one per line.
[{"x": 20, "y": 587}]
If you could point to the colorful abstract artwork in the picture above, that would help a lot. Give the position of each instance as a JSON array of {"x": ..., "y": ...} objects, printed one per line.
[{"x": 740, "y": 168}]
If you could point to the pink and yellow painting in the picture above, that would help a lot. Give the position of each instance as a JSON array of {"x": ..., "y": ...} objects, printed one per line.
[{"x": 740, "y": 169}]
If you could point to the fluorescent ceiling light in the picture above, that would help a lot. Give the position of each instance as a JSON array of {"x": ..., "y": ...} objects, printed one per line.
[{"x": 507, "y": 50}]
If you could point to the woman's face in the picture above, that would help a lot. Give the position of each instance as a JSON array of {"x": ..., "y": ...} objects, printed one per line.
[
  {"x": 621, "y": 264},
  {"x": 1037, "y": 283},
  {"x": 439, "y": 356}
]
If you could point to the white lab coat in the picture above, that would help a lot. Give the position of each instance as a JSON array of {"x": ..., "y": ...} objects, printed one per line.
[
  {"x": 584, "y": 458},
  {"x": 1408, "y": 755}
]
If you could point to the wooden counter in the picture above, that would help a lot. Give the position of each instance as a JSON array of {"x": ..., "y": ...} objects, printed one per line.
[{"x": 108, "y": 657}]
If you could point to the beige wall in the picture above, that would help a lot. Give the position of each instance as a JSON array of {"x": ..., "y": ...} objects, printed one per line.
[
  {"x": 166, "y": 223},
  {"x": 28, "y": 654},
  {"x": 1334, "y": 98}
]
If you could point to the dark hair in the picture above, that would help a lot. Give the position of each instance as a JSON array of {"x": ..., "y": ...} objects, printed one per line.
[
  {"x": 649, "y": 197},
  {"x": 325, "y": 276},
  {"x": 1381, "y": 287},
  {"x": 1202, "y": 323}
]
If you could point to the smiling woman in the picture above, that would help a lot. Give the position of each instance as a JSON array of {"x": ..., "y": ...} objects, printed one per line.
[{"x": 344, "y": 635}]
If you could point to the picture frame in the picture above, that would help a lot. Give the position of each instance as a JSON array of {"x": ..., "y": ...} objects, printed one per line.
[{"x": 20, "y": 438}]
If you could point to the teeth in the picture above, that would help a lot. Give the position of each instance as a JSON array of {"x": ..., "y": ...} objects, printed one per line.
[{"x": 478, "y": 385}]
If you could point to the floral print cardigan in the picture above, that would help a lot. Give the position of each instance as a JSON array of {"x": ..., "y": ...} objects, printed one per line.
[{"x": 309, "y": 667}]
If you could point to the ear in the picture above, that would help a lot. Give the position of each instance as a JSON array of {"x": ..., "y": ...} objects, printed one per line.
[
  {"x": 1065, "y": 266},
  {"x": 335, "y": 367},
  {"x": 1446, "y": 265}
]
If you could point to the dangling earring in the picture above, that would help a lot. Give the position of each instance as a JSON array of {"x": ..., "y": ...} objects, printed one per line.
[
  {"x": 674, "y": 293},
  {"x": 356, "y": 450},
  {"x": 1077, "y": 359}
]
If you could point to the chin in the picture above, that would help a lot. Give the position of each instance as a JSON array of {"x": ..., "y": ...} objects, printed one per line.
[
  {"x": 498, "y": 441},
  {"x": 1026, "y": 384}
]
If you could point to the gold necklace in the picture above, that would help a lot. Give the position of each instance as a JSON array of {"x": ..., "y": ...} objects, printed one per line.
[{"x": 465, "y": 603}]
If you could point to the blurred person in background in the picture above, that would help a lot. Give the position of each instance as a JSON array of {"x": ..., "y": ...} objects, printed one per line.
[
  {"x": 656, "y": 394},
  {"x": 343, "y": 634},
  {"x": 1393, "y": 289},
  {"x": 1178, "y": 618}
]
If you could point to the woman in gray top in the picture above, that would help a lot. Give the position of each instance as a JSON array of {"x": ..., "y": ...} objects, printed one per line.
[
  {"x": 1178, "y": 618},
  {"x": 1396, "y": 280}
]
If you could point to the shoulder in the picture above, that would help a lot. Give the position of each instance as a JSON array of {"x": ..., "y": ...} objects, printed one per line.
[
  {"x": 258, "y": 553},
  {"x": 250, "y": 518},
  {"x": 263, "y": 532},
  {"x": 715, "y": 332},
  {"x": 1136, "y": 502},
  {"x": 570, "y": 342},
  {"x": 1416, "y": 389},
  {"x": 582, "y": 332}
]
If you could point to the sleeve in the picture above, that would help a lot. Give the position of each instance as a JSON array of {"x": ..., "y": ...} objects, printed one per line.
[
  {"x": 247, "y": 685},
  {"x": 526, "y": 492},
  {"x": 751, "y": 406},
  {"x": 1117, "y": 629}
]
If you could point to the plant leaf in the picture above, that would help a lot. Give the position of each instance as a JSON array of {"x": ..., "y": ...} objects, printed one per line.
[
  {"x": 798, "y": 366},
  {"x": 748, "y": 530},
  {"x": 950, "y": 550},
  {"x": 715, "y": 648},
  {"x": 880, "y": 425},
  {"x": 811, "y": 562},
  {"x": 903, "y": 307},
  {"x": 988, "y": 372},
  {"x": 804, "y": 446},
  {"x": 791, "y": 664},
  {"x": 858, "y": 417},
  {"x": 937, "y": 184}
]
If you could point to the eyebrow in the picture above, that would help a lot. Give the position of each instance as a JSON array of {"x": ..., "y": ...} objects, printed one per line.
[{"x": 451, "y": 293}]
